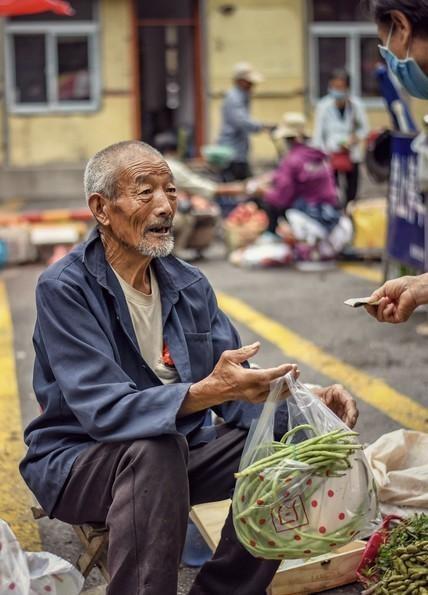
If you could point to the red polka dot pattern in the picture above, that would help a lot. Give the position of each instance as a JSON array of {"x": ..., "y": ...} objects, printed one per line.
[
  {"x": 322, "y": 529},
  {"x": 341, "y": 516},
  {"x": 314, "y": 503},
  {"x": 330, "y": 493}
]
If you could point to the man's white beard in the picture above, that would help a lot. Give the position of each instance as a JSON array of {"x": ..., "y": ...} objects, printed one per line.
[{"x": 159, "y": 250}]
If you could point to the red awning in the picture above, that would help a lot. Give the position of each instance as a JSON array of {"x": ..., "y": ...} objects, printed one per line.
[{"x": 9, "y": 8}]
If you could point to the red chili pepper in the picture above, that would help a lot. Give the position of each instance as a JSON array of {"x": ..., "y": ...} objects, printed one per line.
[
  {"x": 371, "y": 551},
  {"x": 166, "y": 356}
]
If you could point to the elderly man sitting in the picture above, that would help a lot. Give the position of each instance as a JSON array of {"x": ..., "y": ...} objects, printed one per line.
[{"x": 131, "y": 353}]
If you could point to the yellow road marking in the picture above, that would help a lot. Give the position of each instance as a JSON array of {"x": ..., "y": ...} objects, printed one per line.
[
  {"x": 372, "y": 390},
  {"x": 15, "y": 499},
  {"x": 365, "y": 272}
]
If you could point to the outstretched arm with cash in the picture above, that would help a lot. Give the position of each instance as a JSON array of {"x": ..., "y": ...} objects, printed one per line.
[{"x": 398, "y": 298}]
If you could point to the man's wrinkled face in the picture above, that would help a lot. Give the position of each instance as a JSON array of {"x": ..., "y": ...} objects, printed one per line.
[{"x": 141, "y": 215}]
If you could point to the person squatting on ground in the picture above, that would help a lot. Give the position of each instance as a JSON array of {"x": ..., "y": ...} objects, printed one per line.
[
  {"x": 304, "y": 178},
  {"x": 132, "y": 352},
  {"x": 302, "y": 199}
]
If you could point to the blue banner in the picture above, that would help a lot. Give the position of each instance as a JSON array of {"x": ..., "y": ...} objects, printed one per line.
[{"x": 407, "y": 212}]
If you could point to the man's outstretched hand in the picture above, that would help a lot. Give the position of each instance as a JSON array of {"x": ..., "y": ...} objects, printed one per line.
[{"x": 230, "y": 381}]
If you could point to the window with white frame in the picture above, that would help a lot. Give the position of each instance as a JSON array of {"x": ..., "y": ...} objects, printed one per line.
[
  {"x": 342, "y": 37},
  {"x": 52, "y": 62}
]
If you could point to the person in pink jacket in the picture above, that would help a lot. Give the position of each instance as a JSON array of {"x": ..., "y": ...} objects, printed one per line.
[{"x": 304, "y": 178}]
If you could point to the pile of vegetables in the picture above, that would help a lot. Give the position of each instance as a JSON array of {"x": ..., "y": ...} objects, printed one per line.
[
  {"x": 401, "y": 563},
  {"x": 283, "y": 507}
]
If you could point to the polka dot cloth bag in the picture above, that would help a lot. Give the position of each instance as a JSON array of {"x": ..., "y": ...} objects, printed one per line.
[{"x": 308, "y": 492}]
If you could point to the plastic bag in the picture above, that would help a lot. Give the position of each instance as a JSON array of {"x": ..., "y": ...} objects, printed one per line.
[
  {"x": 34, "y": 573},
  {"x": 309, "y": 493}
]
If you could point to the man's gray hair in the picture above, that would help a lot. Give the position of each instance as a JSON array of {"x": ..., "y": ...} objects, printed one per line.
[{"x": 101, "y": 170}]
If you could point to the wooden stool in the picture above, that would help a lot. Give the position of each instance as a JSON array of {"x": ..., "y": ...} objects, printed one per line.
[{"x": 94, "y": 538}]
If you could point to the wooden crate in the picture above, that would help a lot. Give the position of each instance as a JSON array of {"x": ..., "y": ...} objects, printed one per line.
[{"x": 333, "y": 570}]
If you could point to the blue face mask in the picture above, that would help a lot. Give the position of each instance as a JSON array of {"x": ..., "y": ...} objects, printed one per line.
[
  {"x": 407, "y": 71},
  {"x": 336, "y": 94}
]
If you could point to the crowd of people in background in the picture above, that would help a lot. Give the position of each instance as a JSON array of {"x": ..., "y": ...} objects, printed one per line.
[
  {"x": 317, "y": 175},
  {"x": 305, "y": 197}
]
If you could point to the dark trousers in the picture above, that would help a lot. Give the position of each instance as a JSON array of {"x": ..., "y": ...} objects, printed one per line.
[
  {"x": 351, "y": 179},
  {"x": 142, "y": 491}
]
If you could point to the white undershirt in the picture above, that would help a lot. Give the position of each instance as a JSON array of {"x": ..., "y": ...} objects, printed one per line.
[{"x": 146, "y": 315}]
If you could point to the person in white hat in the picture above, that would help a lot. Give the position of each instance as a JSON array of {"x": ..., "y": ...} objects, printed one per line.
[
  {"x": 237, "y": 124},
  {"x": 304, "y": 178}
]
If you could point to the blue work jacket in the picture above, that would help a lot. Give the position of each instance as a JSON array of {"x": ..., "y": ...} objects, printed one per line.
[{"x": 90, "y": 379}]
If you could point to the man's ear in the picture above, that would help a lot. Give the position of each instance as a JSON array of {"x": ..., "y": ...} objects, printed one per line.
[
  {"x": 402, "y": 27},
  {"x": 99, "y": 206}
]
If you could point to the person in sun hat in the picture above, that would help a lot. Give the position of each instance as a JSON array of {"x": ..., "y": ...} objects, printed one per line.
[
  {"x": 237, "y": 124},
  {"x": 304, "y": 178}
]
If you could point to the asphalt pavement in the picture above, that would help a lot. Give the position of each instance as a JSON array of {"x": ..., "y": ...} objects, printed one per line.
[{"x": 331, "y": 340}]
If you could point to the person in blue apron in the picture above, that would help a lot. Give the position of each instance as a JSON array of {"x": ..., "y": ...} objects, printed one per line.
[{"x": 403, "y": 31}]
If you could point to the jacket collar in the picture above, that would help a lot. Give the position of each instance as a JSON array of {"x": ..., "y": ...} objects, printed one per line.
[{"x": 173, "y": 275}]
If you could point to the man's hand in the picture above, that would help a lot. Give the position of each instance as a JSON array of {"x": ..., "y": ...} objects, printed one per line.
[
  {"x": 399, "y": 298},
  {"x": 340, "y": 402},
  {"x": 230, "y": 381}
]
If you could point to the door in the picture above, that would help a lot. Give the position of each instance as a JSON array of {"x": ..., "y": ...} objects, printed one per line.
[{"x": 170, "y": 93}]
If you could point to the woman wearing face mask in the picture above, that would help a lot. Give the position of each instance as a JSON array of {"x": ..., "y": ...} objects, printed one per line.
[
  {"x": 403, "y": 30},
  {"x": 340, "y": 127}
]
